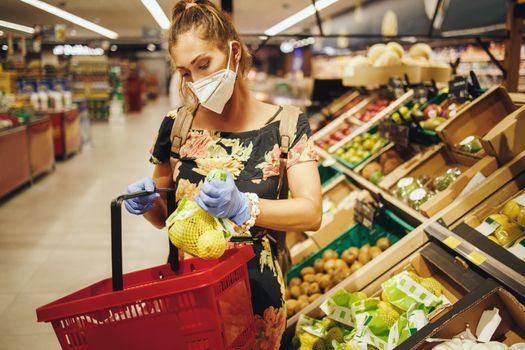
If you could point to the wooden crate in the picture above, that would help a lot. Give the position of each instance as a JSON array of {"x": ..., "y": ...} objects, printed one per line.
[{"x": 478, "y": 118}]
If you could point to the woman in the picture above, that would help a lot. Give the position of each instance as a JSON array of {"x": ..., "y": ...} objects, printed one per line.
[{"x": 232, "y": 130}]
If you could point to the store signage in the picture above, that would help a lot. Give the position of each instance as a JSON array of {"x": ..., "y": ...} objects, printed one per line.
[
  {"x": 396, "y": 133},
  {"x": 77, "y": 50},
  {"x": 459, "y": 88}
]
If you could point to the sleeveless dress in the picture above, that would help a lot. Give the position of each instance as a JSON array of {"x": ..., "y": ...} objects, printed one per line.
[{"x": 252, "y": 157}]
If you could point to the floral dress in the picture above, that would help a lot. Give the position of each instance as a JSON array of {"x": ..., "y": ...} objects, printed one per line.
[{"x": 252, "y": 157}]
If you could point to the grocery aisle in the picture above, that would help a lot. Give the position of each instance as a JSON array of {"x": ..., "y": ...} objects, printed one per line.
[{"x": 54, "y": 237}]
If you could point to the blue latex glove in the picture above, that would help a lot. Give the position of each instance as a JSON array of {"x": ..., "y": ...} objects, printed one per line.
[
  {"x": 224, "y": 200},
  {"x": 140, "y": 205}
]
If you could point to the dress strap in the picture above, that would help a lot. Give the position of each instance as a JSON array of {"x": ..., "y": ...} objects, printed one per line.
[{"x": 274, "y": 116}]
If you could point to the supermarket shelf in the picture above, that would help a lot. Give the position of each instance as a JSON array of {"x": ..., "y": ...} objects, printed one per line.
[{"x": 492, "y": 265}]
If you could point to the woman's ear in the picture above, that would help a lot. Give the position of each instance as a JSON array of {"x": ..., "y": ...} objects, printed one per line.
[{"x": 236, "y": 51}]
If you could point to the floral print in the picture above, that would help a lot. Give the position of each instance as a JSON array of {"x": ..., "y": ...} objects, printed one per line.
[
  {"x": 252, "y": 157},
  {"x": 270, "y": 328}
]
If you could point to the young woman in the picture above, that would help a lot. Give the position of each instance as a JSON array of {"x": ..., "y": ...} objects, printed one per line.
[{"x": 232, "y": 130}]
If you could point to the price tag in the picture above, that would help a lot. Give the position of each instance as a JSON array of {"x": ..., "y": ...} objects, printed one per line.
[
  {"x": 459, "y": 88},
  {"x": 384, "y": 128},
  {"x": 488, "y": 227},
  {"x": 364, "y": 213},
  {"x": 420, "y": 94},
  {"x": 399, "y": 134},
  {"x": 452, "y": 242},
  {"x": 477, "y": 258},
  {"x": 520, "y": 200}
]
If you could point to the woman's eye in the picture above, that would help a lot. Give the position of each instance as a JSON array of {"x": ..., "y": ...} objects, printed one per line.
[
  {"x": 204, "y": 66},
  {"x": 185, "y": 75}
]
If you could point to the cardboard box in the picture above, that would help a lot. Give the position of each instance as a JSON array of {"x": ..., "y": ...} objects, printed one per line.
[
  {"x": 510, "y": 331},
  {"x": 437, "y": 164},
  {"x": 302, "y": 250},
  {"x": 507, "y": 138},
  {"x": 457, "y": 209},
  {"x": 478, "y": 118},
  {"x": 428, "y": 261},
  {"x": 342, "y": 194}
]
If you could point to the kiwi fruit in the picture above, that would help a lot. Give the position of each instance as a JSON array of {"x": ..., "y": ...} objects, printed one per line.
[
  {"x": 355, "y": 266},
  {"x": 295, "y": 291},
  {"x": 325, "y": 282},
  {"x": 374, "y": 252},
  {"x": 383, "y": 243},
  {"x": 313, "y": 289},
  {"x": 319, "y": 265},
  {"x": 353, "y": 251},
  {"x": 305, "y": 286},
  {"x": 348, "y": 257},
  {"x": 314, "y": 297},
  {"x": 291, "y": 307},
  {"x": 329, "y": 265},
  {"x": 296, "y": 281},
  {"x": 363, "y": 257},
  {"x": 310, "y": 278}
]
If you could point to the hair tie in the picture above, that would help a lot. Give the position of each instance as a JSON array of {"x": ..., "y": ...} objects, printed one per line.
[{"x": 190, "y": 5}]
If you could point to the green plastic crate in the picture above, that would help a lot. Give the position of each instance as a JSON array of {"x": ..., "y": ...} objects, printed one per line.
[
  {"x": 327, "y": 174},
  {"x": 386, "y": 225}
]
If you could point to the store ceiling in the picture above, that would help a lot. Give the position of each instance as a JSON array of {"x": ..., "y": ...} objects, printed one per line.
[{"x": 128, "y": 17}]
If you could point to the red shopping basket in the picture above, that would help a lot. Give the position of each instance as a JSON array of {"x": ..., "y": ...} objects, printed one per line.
[{"x": 203, "y": 305}]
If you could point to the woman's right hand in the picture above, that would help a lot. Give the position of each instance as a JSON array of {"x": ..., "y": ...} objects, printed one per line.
[{"x": 140, "y": 205}]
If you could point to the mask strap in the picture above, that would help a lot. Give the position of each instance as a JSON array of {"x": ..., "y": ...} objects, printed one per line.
[{"x": 230, "y": 57}]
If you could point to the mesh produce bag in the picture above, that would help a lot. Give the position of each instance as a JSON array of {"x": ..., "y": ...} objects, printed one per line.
[{"x": 195, "y": 231}]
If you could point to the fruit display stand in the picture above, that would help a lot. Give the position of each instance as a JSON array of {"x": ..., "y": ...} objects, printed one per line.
[
  {"x": 434, "y": 168},
  {"x": 14, "y": 159},
  {"x": 66, "y": 133},
  {"x": 41, "y": 148},
  {"x": 458, "y": 281},
  {"x": 490, "y": 296},
  {"x": 373, "y": 76},
  {"x": 389, "y": 233},
  {"x": 477, "y": 119},
  {"x": 335, "y": 110}
]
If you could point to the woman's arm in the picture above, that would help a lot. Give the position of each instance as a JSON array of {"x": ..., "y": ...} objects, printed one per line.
[
  {"x": 301, "y": 213},
  {"x": 163, "y": 177}
]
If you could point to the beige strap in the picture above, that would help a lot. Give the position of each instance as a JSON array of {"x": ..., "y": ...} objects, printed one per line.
[{"x": 179, "y": 131}]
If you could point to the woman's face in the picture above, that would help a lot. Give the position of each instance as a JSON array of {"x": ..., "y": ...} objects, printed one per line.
[{"x": 195, "y": 58}]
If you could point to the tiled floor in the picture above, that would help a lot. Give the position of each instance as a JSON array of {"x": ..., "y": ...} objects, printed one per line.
[{"x": 55, "y": 235}]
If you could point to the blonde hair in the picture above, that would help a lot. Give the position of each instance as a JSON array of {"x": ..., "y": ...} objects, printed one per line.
[{"x": 213, "y": 25}]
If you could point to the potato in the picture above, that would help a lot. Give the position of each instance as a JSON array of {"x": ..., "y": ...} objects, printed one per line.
[
  {"x": 330, "y": 254},
  {"x": 291, "y": 306},
  {"x": 329, "y": 265},
  {"x": 304, "y": 287},
  {"x": 307, "y": 271},
  {"x": 301, "y": 305},
  {"x": 391, "y": 164},
  {"x": 355, "y": 266},
  {"x": 296, "y": 281},
  {"x": 383, "y": 243},
  {"x": 370, "y": 169},
  {"x": 314, "y": 297},
  {"x": 325, "y": 282},
  {"x": 363, "y": 257},
  {"x": 365, "y": 247},
  {"x": 340, "y": 264},
  {"x": 314, "y": 289},
  {"x": 319, "y": 265},
  {"x": 303, "y": 298},
  {"x": 374, "y": 252},
  {"x": 311, "y": 278},
  {"x": 353, "y": 251},
  {"x": 348, "y": 257},
  {"x": 295, "y": 291}
]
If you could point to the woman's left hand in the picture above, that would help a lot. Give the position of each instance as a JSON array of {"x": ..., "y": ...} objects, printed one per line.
[{"x": 224, "y": 200}]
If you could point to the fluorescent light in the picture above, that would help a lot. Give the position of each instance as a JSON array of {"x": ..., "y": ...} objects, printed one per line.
[
  {"x": 18, "y": 27},
  {"x": 298, "y": 17},
  {"x": 72, "y": 18},
  {"x": 157, "y": 13}
]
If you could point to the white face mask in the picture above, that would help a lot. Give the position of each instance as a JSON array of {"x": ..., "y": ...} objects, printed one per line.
[{"x": 215, "y": 90}]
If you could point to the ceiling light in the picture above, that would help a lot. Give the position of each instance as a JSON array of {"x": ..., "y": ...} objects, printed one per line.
[
  {"x": 157, "y": 13},
  {"x": 298, "y": 17},
  {"x": 18, "y": 27},
  {"x": 4, "y": 47},
  {"x": 72, "y": 18},
  {"x": 151, "y": 47},
  {"x": 1, "y": 33},
  {"x": 113, "y": 48}
]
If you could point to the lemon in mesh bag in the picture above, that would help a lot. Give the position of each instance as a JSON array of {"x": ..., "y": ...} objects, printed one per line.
[{"x": 195, "y": 231}]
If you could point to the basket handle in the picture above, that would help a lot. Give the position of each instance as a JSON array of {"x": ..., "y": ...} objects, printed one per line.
[{"x": 116, "y": 235}]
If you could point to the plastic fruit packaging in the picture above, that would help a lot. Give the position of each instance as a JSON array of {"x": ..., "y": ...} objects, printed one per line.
[
  {"x": 418, "y": 197},
  {"x": 512, "y": 210},
  {"x": 470, "y": 144},
  {"x": 404, "y": 187},
  {"x": 442, "y": 182},
  {"x": 507, "y": 232}
]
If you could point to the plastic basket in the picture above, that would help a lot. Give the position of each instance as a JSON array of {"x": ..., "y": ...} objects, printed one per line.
[
  {"x": 388, "y": 225},
  {"x": 205, "y": 304}
]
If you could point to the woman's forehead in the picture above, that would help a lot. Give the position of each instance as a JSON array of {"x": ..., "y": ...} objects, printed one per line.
[{"x": 188, "y": 46}]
